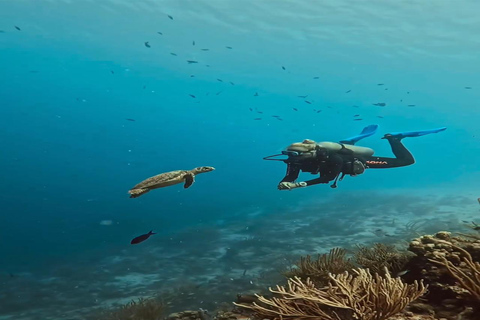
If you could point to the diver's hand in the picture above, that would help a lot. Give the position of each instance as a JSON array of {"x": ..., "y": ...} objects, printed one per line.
[{"x": 291, "y": 185}]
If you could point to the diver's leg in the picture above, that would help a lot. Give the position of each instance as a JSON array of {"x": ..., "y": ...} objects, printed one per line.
[{"x": 403, "y": 157}]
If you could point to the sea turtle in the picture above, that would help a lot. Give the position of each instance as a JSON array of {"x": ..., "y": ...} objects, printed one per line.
[{"x": 168, "y": 179}]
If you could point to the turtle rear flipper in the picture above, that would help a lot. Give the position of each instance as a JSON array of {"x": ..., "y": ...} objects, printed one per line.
[
  {"x": 189, "y": 180},
  {"x": 134, "y": 193}
]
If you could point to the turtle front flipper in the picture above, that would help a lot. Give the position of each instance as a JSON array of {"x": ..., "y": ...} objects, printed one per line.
[
  {"x": 189, "y": 180},
  {"x": 134, "y": 193}
]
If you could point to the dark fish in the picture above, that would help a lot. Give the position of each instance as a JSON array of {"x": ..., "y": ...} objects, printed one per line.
[
  {"x": 303, "y": 97},
  {"x": 160, "y": 33},
  {"x": 142, "y": 238},
  {"x": 408, "y": 92},
  {"x": 283, "y": 68},
  {"x": 357, "y": 119},
  {"x": 316, "y": 77},
  {"x": 259, "y": 111},
  {"x": 329, "y": 107},
  {"x": 144, "y": 87},
  {"x": 204, "y": 49},
  {"x": 356, "y": 106},
  {"x": 348, "y": 91},
  {"x": 379, "y": 84},
  {"x": 18, "y": 28},
  {"x": 193, "y": 42},
  {"x": 357, "y": 115},
  {"x": 229, "y": 47},
  {"x": 192, "y": 76},
  {"x": 257, "y": 119},
  {"x": 411, "y": 105},
  {"x": 207, "y": 65},
  {"x": 147, "y": 44},
  {"x": 401, "y": 100},
  {"x": 173, "y": 54},
  {"x": 171, "y": 18},
  {"x": 129, "y": 119},
  {"x": 220, "y": 80},
  {"x": 279, "y": 119},
  {"x": 250, "y": 109},
  {"x": 191, "y": 95},
  {"x": 218, "y": 92},
  {"x": 256, "y": 94},
  {"x": 386, "y": 88},
  {"x": 380, "y": 104},
  {"x": 295, "y": 109},
  {"x": 276, "y": 116},
  {"x": 468, "y": 87},
  {"x": 1, "y": 31},
  {"x": 232, "y": 83},
  {"x": 191, "y": 61},
  {"x": 112, "y": 72},
  {"x": 318, "y": 111},
  {"x": 380, "y": 117},
  {"x": 306, "y": 101}
]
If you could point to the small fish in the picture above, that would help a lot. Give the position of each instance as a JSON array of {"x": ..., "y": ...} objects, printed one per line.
[
  {"x": 147, "y": 44},
  {"x": 142, "y": 238},
  {"x": 130, "y": 119},
  {"x": 295, "y": 109},
  {"x": 468, "y": 87},
  {"x": 160, "y": 33},
  {"x": 380, "y": 233},
  {"x": 306, "y": 101},
  {"x": 276, "y": 116},
  {"x": 229, "y": 47},
  {"x": 173, "y": 54},
  {"x": 408, "y": 92},
  {"x": 192, "y": 76},
  {"x": 316, "y": 78},
  {"x": 171, "y": 18},
  {"x": 357, "y": 115},
  {"x": 356, "y": 106},
  {"x": 1, "y": 31},
  {"x": 386, "y": 88},
  {"x": 144, "y": 87},
  {"x": 205, "y": 49},
  {"x": 357, "y": 119},
  {"x": 280, "y": 119},
  {"x": 232, "y": 83},
  {"x": 256, "y": 94},
  {"x": 261, "y": 112},
  {"x": 411, "y": 105},
  {"x": 18, "y": 28},
  {"x": 402, "y": 273},
  {"x": 283, "y": 68},
  {"x": 112, "y": 72},
  {"x": 207, "y": 65},
  {"x": 193, "y": 42},
  {"x": 379, "y": 84},
  {"x": 250, "y": 109},
  {"x": 318, "y": 111},
  {"x": 348, "y": 91},
  {"x": 257, "y": 119},
  {"x": 218, "y": 93},
  {"x": 380, "y": 104},
  {"x": 380, "y": 117},
  {"x": 303, "y": 97},
  {"x": 219, "y": 80},
  {"x": 191, "y": 95},
  {"x": 192, "y": 61}
]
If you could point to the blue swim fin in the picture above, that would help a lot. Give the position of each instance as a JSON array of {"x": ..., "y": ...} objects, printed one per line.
[
  {"x": 413, "y": 133},
  {"x": 366, "y": 132}
]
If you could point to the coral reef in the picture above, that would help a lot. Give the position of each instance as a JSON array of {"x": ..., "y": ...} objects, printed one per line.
[
  {"x": 141, "y": 309},
  {"x": 318, "y": 270},
  {"x": 382, "y": 257},
  {"x": 359, "y": 295}
]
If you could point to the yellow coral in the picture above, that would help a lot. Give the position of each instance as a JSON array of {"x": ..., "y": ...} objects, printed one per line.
[{"x": 348, "y": 296}]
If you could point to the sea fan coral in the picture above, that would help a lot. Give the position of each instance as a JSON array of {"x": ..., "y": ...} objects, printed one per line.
[
  {"x": 381, "y": 256},
  {"x": 318, "y": 270},
  {"x": 359, "y": 295}
]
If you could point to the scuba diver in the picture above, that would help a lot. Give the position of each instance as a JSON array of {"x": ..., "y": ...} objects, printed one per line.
[{"x": 335, "y": 160}]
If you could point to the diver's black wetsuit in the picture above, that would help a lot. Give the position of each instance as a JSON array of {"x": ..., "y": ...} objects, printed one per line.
[{"x": 330, "y": 166}]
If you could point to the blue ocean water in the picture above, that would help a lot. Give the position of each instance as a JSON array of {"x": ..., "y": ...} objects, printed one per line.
[{"x": 74, "y": 72}]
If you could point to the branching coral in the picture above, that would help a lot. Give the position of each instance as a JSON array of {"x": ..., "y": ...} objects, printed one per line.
[
  {"x": 142, "y": 309},
  {"x": 469, "y": 276},
  {"x": 381, "y": 256},
  {"x": 348, "y": 296},
  {"x": 334, "y": 262}
]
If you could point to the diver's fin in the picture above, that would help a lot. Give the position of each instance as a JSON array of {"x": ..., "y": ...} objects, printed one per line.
[
  {"x": 366, "y": 132},
  {"x": 413, "y": 133}
]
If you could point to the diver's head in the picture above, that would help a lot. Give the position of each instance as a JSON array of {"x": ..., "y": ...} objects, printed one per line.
[{"x": 301, "y": 151}]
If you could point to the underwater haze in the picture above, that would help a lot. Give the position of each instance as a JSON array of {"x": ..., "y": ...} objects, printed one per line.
[{"x": 97, "y": 96}]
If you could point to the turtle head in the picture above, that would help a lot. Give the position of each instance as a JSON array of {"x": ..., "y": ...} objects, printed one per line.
[{"x": 198, "y": 170}]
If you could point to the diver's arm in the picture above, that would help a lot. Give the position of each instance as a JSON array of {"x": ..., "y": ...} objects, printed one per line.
[{"x": 293, "y": 170}]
